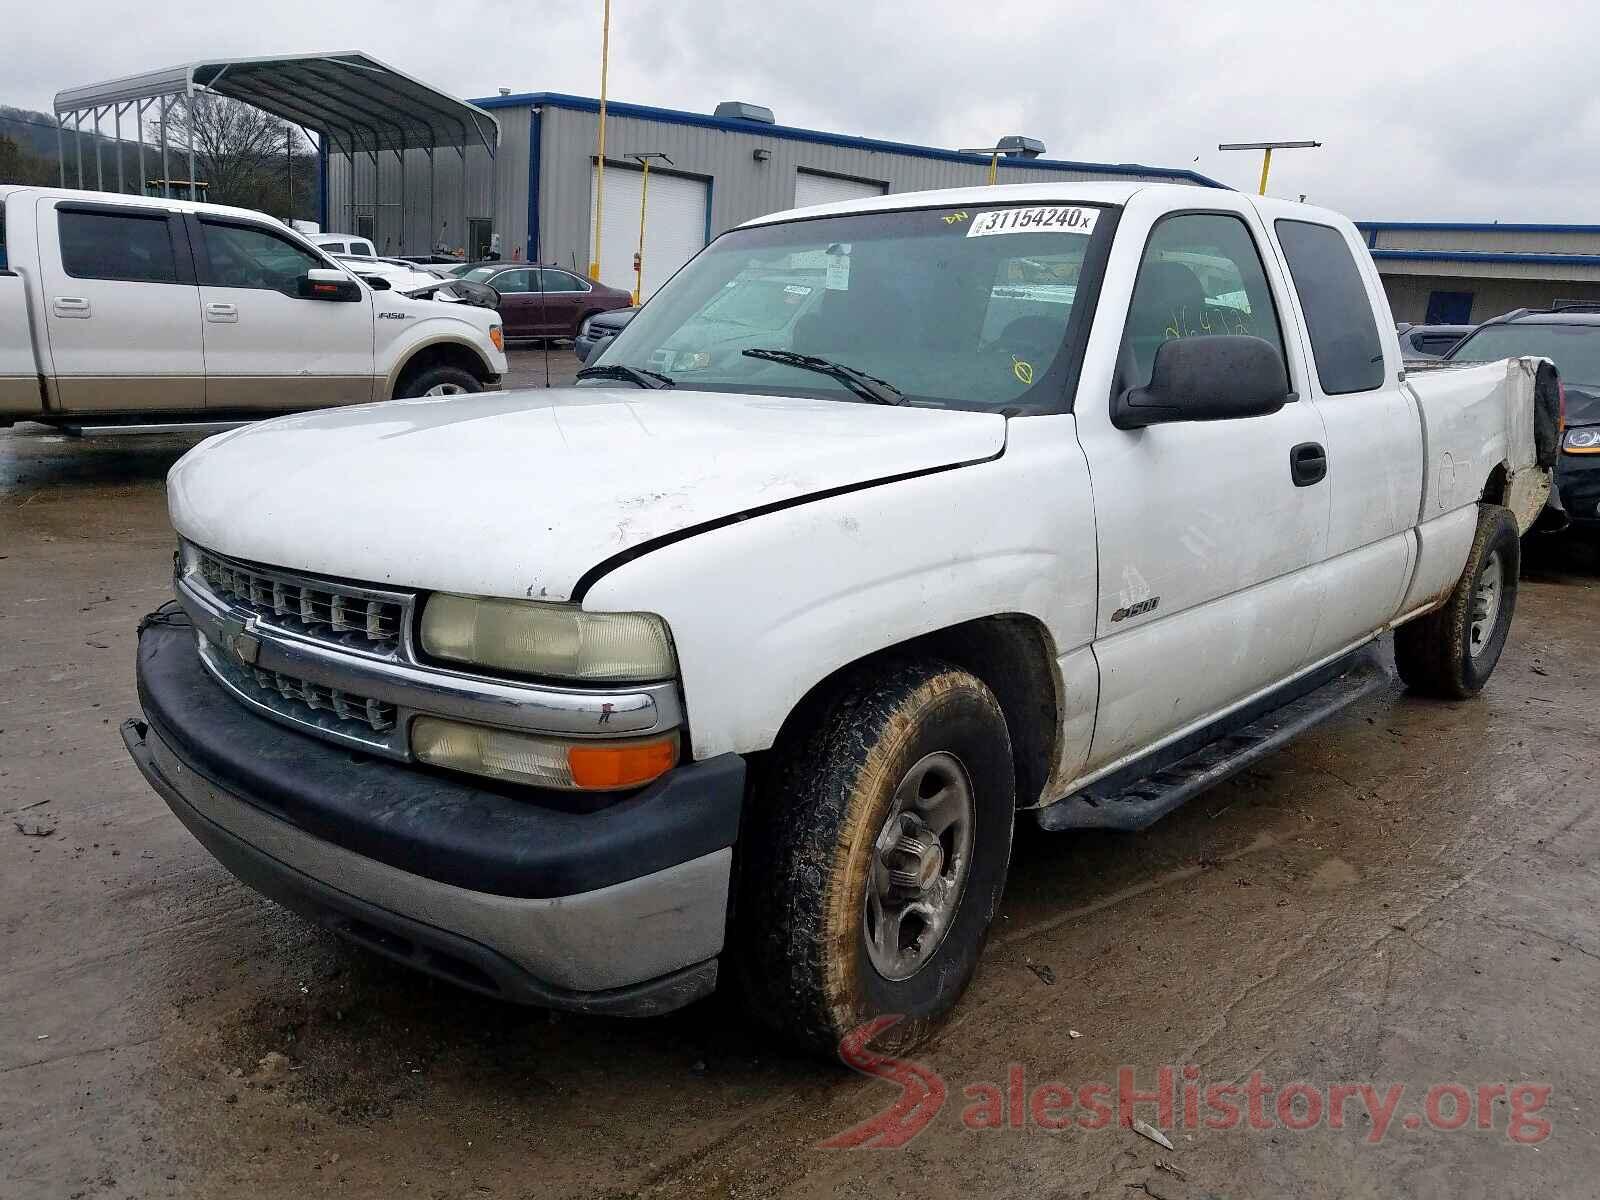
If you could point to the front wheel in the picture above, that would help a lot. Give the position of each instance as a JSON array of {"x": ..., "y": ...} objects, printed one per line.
[
  {"x": 876, "y": 860},
  {"x": 439, "y": 381},
  {"x": 1451, "y": 652}
]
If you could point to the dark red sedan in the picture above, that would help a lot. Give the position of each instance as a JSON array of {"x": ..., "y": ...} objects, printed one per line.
[{"x": 564, "y": 303}]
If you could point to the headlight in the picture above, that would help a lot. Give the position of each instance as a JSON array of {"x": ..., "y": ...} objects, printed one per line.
[
  {"x": 542, "y": 762},
  {"x": 1585, "y": 440},
  {"x": 583, "y": 330},
  {"x": 556, "y": 641}
]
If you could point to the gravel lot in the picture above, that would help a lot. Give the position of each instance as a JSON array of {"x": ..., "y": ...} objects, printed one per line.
[{"x": 1407, "y": 896}]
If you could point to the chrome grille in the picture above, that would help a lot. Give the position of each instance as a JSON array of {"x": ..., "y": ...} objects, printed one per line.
[
  {"x": 343, "y": 715},
  {"x": 376, "y": 715},
  {"x": 346, "y": 616}
]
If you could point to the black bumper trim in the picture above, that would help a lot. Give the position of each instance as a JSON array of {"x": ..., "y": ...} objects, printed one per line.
[
  {"x": 423, "y": 947},
  {"x": 438, "y": 827}
]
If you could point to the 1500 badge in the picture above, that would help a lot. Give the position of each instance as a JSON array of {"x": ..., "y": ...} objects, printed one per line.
[{"x": 1136, "y": 610}]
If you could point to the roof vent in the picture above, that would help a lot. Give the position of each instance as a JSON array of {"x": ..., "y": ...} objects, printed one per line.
[
  {"x": 738, "y": 110},
  {"x": 1014, "y": 145}
]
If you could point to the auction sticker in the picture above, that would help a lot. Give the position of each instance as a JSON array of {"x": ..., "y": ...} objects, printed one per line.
[{"x": 1051, "y": 219}]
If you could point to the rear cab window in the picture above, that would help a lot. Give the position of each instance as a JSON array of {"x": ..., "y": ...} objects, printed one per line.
[
  {"x": 123, "y": 246},
  {"x": 1338, "y": 311},
  {"x": 1573, "y": 346}
]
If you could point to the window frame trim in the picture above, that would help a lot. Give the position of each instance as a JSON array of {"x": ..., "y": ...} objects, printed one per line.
[
  {"x": 183, "y": 265},
  {"x": 1277, "y": 301}
]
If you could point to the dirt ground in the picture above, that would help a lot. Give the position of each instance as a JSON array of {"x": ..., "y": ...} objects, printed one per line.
[{"x": 1407, "y": 896}]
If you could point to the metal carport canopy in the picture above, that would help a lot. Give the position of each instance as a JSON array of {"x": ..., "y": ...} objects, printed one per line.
[
  {"x": 353, "y": 102},
  {"x": 362, "y": 105}
]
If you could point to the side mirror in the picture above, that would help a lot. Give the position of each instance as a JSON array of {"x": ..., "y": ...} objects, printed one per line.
[
  {"x": 1219, "y": 377},
  {"x": 598, "y": 348},
  {"x": 325, "y": 283}
]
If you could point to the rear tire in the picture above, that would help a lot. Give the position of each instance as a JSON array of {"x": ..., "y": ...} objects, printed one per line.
[
  {"x": 876, "y": 857},
  {"x": 1451, "y": 652},
  {"x": 439, "y": 381}
]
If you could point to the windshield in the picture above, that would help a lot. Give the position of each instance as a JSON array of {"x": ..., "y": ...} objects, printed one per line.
[
  {"x": 956, "y": 308},
  {"x": 1575, "y": 349}
]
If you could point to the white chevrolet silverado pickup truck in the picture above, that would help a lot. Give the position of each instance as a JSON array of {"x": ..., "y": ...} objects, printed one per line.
[
  {"x": 1063, "y": 500},
  {"x": 126, "y": 314}
]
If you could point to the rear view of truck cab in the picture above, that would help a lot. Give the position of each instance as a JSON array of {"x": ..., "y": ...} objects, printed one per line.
[{"x": 882, "y": 524}]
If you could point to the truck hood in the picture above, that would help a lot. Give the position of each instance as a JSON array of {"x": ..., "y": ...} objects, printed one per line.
[{"x": 518, "y": 494}]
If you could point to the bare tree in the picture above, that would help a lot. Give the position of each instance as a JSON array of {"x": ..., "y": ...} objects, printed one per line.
[{"x": 242, "y": 152}]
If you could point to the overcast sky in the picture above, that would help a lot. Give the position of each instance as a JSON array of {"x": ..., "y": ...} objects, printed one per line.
[{"x": 1459, "y": 110}]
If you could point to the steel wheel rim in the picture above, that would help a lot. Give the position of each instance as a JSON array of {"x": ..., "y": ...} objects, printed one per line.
[
  {"x": 921, "y": 859},
  {"x": 446, "y": 389},
  {"x": 1487, "y": 597}
]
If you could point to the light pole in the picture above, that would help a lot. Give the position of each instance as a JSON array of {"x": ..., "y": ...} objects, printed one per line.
[
  {"x": 994, "y": 153},
  {"x": 1266, "y": 149},
  {"x": 644, "y": 192},
  {"x": 600, "y": 153}
]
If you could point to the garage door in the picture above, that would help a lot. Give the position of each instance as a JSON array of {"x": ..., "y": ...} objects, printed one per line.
[
  {"x": 825, "y": 189},
  {"x": 675, "y": 226}
]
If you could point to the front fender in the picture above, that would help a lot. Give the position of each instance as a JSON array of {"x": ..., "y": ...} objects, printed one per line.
[
  {"x": 418, "y": 334},
  {"x": 762, "y": 610}
]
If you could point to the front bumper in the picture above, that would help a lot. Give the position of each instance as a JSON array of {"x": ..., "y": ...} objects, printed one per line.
[
  {"x": 1578, "y": 479},
  {"x": 622, "y": 910}
]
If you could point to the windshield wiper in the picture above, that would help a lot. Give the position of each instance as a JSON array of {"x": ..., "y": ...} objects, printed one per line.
[
  {"x": 869, "y": 387},
  {"x": 635, "y": 375}
]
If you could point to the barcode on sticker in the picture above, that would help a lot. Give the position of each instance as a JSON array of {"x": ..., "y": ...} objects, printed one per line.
[{"x": 1048, "y": 219}]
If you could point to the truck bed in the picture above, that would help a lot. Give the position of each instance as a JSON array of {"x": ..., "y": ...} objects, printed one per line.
[{"x": 1478, "y": 417}]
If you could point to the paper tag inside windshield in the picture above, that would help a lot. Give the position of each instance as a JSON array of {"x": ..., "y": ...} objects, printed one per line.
[
  {"x": 1052, "y": 219},
  {"x": 838, "y": 276}
]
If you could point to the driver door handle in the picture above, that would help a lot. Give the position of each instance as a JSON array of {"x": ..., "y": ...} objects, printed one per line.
[
  {"x": 221, "y": 313},
  {"x": 1308, "y": 464}
]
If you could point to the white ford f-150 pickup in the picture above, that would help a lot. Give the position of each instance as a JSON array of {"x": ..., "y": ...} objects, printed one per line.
[
  {"x": 1065, "y": 500},
  {"x": 128, "y": 314}
]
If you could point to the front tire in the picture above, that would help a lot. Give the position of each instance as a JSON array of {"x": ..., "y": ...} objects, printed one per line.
[
  {"x": 1451, "y": 652},
  {"x": 876, "y": 858},
  {"x": 439, "y": 381}
]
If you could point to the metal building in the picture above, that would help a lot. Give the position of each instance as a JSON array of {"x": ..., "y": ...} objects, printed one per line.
[
  {"x": 1452, "y": 273},
  {"x": 724, "y": 169}
]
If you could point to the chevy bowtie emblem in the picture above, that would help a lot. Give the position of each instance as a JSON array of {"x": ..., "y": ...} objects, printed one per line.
[{"x": 240, "y": 642}]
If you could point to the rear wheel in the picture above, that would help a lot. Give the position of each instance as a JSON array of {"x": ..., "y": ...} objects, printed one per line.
[
  {"x": 439, "y": 381},
  {"x": 877, "y": 857},
  {"x": 1451, "y": 652}
]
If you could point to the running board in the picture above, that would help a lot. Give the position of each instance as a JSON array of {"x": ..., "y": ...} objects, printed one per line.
[
  {"x": 1129, "y": 801},
  {"x": 206, "y": 427}
]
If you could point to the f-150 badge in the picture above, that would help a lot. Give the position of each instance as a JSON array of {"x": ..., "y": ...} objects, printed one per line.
[{"x": 1136, "y": 610}]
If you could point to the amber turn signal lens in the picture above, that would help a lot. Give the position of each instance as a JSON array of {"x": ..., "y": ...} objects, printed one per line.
[
  {"x": 609, "y": 767},
  {"x": 498, "y": 337}
]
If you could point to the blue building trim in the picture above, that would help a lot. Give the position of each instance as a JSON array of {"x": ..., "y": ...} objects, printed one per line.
[
  {"x": 1487, "y": 256},
  {"x": 1371, "y": 227},
  {"x": 535, "y": 144},
  {"x": 818, "y": 137}
]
